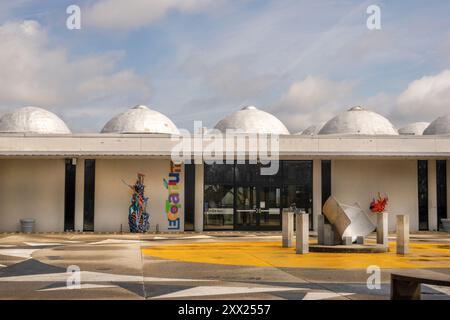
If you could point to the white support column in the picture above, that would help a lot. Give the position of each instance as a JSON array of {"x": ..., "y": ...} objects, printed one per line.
[
  {"x": 321, "y": 229},
  {"x": 432, "y": 196},
  {"x": 79, "y": 195},
  {"x": 317, "y": 192},
  {"x": 329, "y": 236},
  {"x": 302, "y": 233},
  {"x": 287, "y": 227},
  {"x": 199, "y": 192},
  {"x": 402, "y": 234},
  {"x": 383, "y": 229}
]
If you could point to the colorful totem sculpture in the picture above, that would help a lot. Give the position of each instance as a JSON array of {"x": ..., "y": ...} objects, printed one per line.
[{"x": 138, "y": 218}]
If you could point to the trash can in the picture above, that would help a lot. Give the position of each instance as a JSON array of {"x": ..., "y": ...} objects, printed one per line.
[{"x": 27, "y": 225}]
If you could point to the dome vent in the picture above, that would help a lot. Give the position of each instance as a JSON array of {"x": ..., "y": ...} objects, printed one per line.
[
  {"x": 440, "y": 126},
  {"x": 414, "y": 129},
  {"x": 140, "y": 119},
  {"x": 312, "y": 130},
  {"x": 32, "y": 120},
  {"x": 359, "y": 121},
  {"x": 252, "y": 120}
]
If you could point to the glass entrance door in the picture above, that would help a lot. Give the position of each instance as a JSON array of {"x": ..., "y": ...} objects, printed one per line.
[
  {"x": 238, "y": 197},
  {"x": 246, "y": 208},
  {"x": 257, "y": 207},
  {"x": 269, "y": 207}
]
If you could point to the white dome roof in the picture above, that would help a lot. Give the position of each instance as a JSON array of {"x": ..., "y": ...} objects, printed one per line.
[
  {"x": 251, "y": 119},
  {"x": 312, "y": 130},
  {"x": 415, "y": 129},
  {"x": 32, "y": 120},
  {"x": 140, "y": 119},
  {"x": 358, "y": 120},
  {"x": 439, "y": 126}
]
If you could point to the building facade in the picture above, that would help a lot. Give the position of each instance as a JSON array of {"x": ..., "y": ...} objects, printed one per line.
[{"x": 78, "y": 182}]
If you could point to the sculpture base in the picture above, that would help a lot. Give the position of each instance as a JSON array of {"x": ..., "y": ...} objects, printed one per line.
[{"x": 354, "y": 248}]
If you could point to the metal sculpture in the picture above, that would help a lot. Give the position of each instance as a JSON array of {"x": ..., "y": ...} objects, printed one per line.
[
  {"x": 138, "y": 218},
  {"x": 379, "y": 204},
  {"x": 348, "y": 221}
]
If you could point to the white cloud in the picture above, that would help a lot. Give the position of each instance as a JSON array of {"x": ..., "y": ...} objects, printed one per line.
[
  {"x": 133, "y": 14},
  {"x": 312, "y": 101},
  {"x": 424, "y": 99},
  {"x": 33, "y": 72},
  {"x": 254, "y": 57},
  {"x": 316, "y": 100}
]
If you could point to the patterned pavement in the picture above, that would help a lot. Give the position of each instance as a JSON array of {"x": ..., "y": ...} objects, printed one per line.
[{"x": 164, "y": 266}]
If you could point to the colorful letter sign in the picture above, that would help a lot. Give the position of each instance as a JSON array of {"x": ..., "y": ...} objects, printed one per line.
[{"x": 173, "y": 202}]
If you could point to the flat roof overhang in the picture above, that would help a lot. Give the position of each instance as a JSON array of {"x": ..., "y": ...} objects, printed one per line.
[{"x": 161, "y": 146}]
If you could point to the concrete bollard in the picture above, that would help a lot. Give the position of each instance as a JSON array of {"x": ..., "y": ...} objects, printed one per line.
[
  {"x": 360, "y": 239},
  {"x": 302, "y": 233},
  {"x": 402, "y": 234},
  {"x": 328, "y": 235},
  {"x": 287, "y": 229},
  {"x": 347, "y": 241},
  {"x": 337, "y": 239},
  {"x": 320, "y": 230},
  {"x": 382, "y": 229}
]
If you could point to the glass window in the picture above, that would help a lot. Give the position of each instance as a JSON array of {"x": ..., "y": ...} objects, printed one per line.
[
  {"x": 298, "y": 197},
  {"x": 250, "y": 174},
  {"x": 441, "y": 180},
  {"x": 297, "y": 190},
  {"x": 219, "y": 173},
  {"x": 189, "y": 197},
  {"x": 422, "y": 167},
  {"x": 218, "y": 207},
  {"x": 272, "y": 179},
  {"x": 251, "y": 201},
  {"x": 246, "y": 173},
  {"x": 297, "y": 172},
  {"x": 326, "y": 180}
]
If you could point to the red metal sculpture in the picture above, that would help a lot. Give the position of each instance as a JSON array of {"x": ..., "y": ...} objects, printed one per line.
[{"x": 379, "y": 204}]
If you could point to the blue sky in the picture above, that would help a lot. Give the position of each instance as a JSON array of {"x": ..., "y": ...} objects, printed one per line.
[{"x": 304, "y": 61}]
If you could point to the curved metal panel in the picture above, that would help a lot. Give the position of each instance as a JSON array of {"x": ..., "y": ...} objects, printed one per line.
[{"x": 348, "y": 221}]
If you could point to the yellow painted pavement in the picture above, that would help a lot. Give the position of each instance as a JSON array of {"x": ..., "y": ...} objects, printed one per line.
[{"x": 264, "y": 254}]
